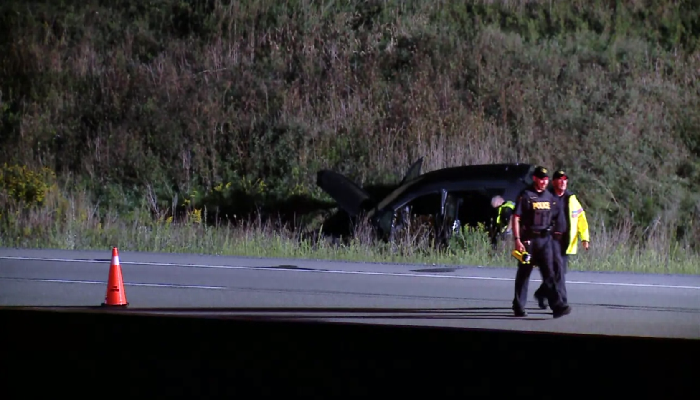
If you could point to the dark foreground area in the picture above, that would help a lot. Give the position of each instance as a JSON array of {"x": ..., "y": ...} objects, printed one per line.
[{"x": 122, "y": 353}]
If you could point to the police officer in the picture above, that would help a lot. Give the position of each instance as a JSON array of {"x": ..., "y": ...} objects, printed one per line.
[
  {"x": 536, "y": 215},
  {"x": 504, "y": 210},
  {"x": 576, "y": 228}
]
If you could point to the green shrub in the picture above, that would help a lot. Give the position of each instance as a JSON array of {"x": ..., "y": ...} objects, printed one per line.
[{"x": 26, "y": 186}]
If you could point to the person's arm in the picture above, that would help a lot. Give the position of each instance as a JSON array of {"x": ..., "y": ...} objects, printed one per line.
[
  {"x": 516, "y": 233},
  {"x": 515, "y": 224},
  {"x": 582, "y": 225},
  {"x": 583, "y": 230}
]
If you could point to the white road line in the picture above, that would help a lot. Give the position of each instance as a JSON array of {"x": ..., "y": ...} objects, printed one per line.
[
  {"x": 168, "y": 285},
  {"x": 415, "y": 275}
]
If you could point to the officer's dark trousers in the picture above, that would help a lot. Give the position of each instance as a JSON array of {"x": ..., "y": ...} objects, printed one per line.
[
  {"x": 560, "y": 263},
  {"x": 560, "y": 267},
  {"x": 541, "y": 250}
]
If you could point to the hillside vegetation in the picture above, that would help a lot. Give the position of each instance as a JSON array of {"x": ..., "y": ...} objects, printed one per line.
[{"x": 170, "y": 104}]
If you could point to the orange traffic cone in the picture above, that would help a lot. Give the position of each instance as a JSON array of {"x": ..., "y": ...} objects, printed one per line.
[{"x": 116, "y": 295}]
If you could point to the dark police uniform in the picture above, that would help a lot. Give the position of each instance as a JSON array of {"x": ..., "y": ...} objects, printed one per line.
[
  {"x": 540, "y": 215},
  {"x": 576, "y": 228},
  {"x": 559, "y": 255}
]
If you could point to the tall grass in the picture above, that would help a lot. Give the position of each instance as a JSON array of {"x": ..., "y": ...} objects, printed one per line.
[{"x": 71, "y": 221}]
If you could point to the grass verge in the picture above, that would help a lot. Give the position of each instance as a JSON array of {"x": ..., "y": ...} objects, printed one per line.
[{"x": 71, "y": 221}]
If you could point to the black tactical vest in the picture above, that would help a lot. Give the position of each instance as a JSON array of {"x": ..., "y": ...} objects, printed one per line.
[{"x": 540, "y": 209}]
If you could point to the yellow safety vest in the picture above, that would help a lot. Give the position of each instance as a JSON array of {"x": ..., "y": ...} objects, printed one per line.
[
  {"x": 507, "y": 204},
  {"x": 578, "y": 225}
]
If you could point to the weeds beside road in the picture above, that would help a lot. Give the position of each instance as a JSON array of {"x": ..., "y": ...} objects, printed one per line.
[{"x": 74, "y": 223}]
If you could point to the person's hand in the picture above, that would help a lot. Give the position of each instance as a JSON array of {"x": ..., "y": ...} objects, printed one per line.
[
  {"x": 585, "y": 244},
  {"x": 519, "y": 245}
]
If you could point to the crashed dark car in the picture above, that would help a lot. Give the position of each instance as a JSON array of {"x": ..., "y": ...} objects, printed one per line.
[{"x": 449, "y": 198}]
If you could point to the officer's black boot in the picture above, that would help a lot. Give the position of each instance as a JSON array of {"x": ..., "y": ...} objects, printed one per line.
[
  {"x": 559, "y": 308},
  {"x": 519, "y": 312},
  {"x": 541, "y": 298},
  {"x": 562, "y": 311}
]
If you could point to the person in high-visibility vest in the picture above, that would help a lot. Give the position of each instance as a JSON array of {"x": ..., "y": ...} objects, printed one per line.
[
  {"x": 576, "y": 228},
  {"x": 502, "y": 226}
]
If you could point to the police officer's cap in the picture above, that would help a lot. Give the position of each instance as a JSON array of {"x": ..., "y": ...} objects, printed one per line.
[
  {"x": 560, "y": 174},
  {"x": 541, "y": 172}
]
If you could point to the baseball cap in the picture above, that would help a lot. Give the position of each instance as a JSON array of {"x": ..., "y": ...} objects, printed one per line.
[
  {"x": 560, "y": 174},
  {"x": 541, "y": 172}
]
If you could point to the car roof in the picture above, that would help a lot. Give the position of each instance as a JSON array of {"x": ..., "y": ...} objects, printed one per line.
[{"x": 467, "y": 177}]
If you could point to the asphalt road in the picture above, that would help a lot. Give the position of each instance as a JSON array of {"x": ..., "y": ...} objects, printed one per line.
[{"x": 466, "y": 296}]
